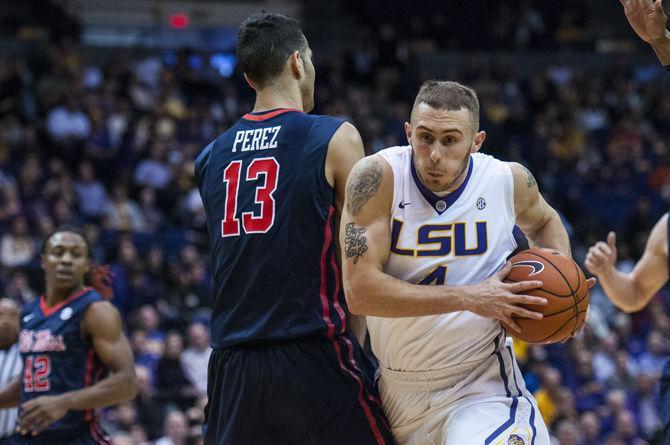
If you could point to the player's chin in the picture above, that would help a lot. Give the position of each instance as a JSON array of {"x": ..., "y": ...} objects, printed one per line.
[{"x": 62, "y": 280}]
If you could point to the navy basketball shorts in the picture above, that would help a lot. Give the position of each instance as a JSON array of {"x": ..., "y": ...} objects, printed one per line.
[
  {"x": 309, "y": 391},
  {"x": 665, "y": 402}
]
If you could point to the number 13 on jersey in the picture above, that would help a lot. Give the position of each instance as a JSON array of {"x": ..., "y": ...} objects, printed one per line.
[{"x": 252, "y": 221}]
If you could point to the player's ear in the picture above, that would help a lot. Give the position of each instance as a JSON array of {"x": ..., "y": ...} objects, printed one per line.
[
  {"x": 251, "y": 84},
  {"x": 478, "y": 141},
  {"x": 408, "y": 132},
  {"x": 296, "y": 64}
]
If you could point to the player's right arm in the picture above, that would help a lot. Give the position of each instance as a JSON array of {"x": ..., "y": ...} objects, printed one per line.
[
  {"x": 10, "y": 395},
  {"x": 650, "y": 23},
  {"x": 632, "y": 291},
  {"x": 365, "y": 237}
]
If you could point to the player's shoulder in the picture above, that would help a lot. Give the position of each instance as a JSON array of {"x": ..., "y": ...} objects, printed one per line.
[
  {"x": 322, "y": 118},
  {"x": 396, "y": 153},
  {"x": 330, "y": 128},
  {"x": 491, "y": 164},
  {"x": 202, "y": 160},
  {"x": 373, "y": 168},
  {"x": 30, "y": 308},
  {"x": 101, "y": 315}
]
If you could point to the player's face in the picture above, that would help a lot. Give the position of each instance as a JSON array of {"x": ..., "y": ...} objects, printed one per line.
[
  {"x": 65, "y": 261},
  {"x": 442, "y": 141},
  {"x": 307, "y": 83}
]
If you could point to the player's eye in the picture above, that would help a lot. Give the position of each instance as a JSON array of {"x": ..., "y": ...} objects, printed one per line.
[{"x": 425, "y": 137}]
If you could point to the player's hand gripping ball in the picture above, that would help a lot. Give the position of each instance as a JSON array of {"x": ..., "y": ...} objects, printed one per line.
[{"x": 564, "y": 286}]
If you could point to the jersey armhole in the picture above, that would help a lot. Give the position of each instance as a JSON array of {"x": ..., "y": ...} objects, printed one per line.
[
  {"x": 206, "y": 154},
  {"x": 327, "y": 190},
  {"x": 508, "y": 195},
  {"x": 667, "y": 228},
  {"x": 394, "y": 200}
]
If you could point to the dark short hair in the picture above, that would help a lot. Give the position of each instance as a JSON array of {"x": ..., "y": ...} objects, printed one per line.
[
  {"x": 265, "y": 41},
  {"x": 448, "y": 95},
  {"x": 71, "y": 229}
]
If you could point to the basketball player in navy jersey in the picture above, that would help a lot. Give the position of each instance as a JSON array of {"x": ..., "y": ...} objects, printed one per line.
[
  {"x": 285, "y": 368},
  {"x": 631, "y": 291},
  {"x": 75, "y": 355}
]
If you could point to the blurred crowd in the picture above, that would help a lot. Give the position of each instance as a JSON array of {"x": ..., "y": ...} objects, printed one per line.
[{"x": 110, "y": 146}]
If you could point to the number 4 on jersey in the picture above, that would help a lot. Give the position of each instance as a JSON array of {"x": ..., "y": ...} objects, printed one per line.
[{"x": 251, "y": 223}]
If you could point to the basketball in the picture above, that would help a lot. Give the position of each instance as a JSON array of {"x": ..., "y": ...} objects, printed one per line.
[{"x": 565, "y": 288}]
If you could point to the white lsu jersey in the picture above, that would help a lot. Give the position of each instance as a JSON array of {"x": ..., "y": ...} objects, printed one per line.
[{"x": 459, "y": 239}]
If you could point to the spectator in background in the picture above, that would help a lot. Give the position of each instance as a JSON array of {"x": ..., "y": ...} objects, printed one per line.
[
  {"x": 11, "y": 365},
  {"x": 91, "y": 194},
  {"x": 154, "y": 172},
  {"x": 17, "y": 247},
  {"x": 68, "y": 124},
  {"x": 644, "y": 405},
  {"x": 195, "y": 358},
  {"x": 567, "y": 433},
  {"x": 590, "y": 426},
  {"x": 151, "y": 213},
  {"x": 149, "y": 410},
  {"x": 123, "y": 214},
  {"x": 175, "y": 430},
  {"x": 604, "y": 360},
  {"x": 171, "y": 383},
  {"x": 656, "y": 355},
  {"x": 626, "y": 429},
  {"x": 548, "y": 394},
  {"x": 18, "y": 288}
]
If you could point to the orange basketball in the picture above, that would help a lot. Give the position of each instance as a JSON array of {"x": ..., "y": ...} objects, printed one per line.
[{"x": 565, "y": 288}]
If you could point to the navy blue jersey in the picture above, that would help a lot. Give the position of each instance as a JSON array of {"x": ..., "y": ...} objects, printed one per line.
[
  {"x": 270, "y": 214},
  {"x": 57, "y": 359}
]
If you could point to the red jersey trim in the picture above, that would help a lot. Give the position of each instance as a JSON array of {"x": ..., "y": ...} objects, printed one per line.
[
  {"x": 48, "y": 311},
  {"x": 265, "y": 115}
]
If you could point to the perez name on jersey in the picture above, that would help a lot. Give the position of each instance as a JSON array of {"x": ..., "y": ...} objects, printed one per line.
[{"x": 256, "y": 139}]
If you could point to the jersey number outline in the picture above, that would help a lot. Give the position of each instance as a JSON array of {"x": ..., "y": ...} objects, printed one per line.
[
  {"x": 36, "y": 373},
  {"x": 251, "y": 223},
  {"x": 437, "y": 277}
]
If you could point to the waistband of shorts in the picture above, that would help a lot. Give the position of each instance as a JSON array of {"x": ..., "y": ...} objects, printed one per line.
[{"x": 429, "y": 380}]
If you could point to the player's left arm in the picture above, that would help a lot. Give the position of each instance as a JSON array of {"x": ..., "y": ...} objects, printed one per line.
[
  {"x": 537, "y": 219},
  {"x": 102, "y": 325}
]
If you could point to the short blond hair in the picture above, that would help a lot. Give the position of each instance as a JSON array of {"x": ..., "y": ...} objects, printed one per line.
[{"x": 448, "y": 95}]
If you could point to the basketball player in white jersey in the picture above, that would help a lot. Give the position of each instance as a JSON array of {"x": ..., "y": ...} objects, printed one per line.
[{"x": 437, "y": 212}]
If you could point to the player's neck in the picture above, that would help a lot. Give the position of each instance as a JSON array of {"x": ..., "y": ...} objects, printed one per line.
[
  {"x": 53, "y": 296},
  {"x": 271, "y": 98}
]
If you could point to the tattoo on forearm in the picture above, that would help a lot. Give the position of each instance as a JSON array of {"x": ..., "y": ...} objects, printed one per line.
[
  {"x": 364, "y": 183},
  {"x": 531, "y": 179},
  {"x": 355, "y": 243}
]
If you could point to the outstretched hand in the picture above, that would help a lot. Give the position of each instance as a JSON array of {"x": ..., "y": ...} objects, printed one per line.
[
  {"x": 493, "y": 298},
  {"x": 647, "y": 18}
]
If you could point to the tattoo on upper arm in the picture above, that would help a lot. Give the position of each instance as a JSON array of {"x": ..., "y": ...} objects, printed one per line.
[
  {"x": 355, "y": 243},
  {"x": 531, "y": 179},
  {"x": 364, "y": 183}
]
